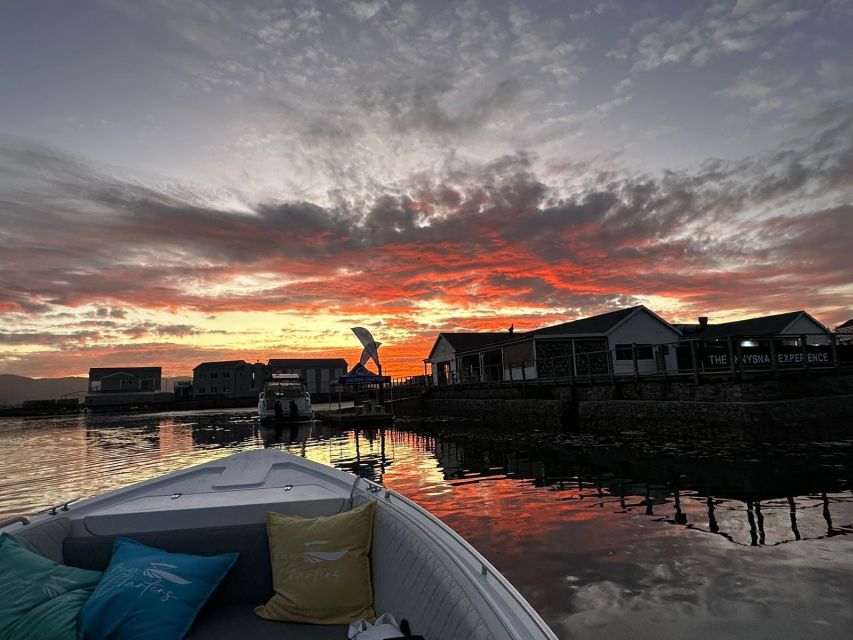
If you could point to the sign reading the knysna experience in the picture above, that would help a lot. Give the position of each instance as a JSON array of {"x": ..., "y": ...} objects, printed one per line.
[
  {"x": 761, "y": 358},
  {"x": 758, "y": 359}
]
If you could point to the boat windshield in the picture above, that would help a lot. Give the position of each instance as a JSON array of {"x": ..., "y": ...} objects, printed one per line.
[{"x": 289, "y": 389}]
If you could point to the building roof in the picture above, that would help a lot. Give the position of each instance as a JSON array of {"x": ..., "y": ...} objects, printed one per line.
[
  {"x": 762, "y": 326},
  {"x": 599, "y": 325},
  {"x": 219, "y": 365},
  {"x": 845, "y": 325},
  {"x": 100, "y": 372},
  {"x": 467, "y": 341},
  {"x": 594, "y": 325},
  {"x": 308, "y": 363}
]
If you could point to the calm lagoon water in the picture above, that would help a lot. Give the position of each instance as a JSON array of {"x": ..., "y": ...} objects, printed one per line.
[{"x": 607, "y": 537}]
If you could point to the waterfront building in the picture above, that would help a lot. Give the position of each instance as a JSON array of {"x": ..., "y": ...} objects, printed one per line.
[
  {"x": 124, "y": 379},
  {"x": 183, "y": 390},
  {"x": 782, "y": 340},
  {"x": 788, "y": 327},
  {"x": 442, "y": 356},
  {"x": 844, "y": 332},
  {"x": 317, "y": 373},
  {"x": 235, "y": 379},
  {"x": 125, "y": 386},
  {"x": 606, "y": 343}
]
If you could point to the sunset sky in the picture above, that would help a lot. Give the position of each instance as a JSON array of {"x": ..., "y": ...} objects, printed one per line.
[{"x": 204, "y": 180}]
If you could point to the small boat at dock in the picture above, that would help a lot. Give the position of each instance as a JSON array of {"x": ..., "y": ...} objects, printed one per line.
[
  {"x": 368, "y": 413},
  {"x": 285, "y": 397}
]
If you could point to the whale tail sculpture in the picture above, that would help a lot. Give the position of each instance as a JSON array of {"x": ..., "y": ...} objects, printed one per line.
[
  {"x": 371, "y": 347},
  {"x": 370, "y": 352}
]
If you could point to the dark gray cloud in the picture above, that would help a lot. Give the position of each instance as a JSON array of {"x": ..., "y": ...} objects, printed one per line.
[{"x": 707, "y": 237}]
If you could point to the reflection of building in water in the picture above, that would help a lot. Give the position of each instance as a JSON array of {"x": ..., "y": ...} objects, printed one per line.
[
  {"x": 213, "y": 431},
  {"x": 149, "y": 433},
  {"x": 105, "y": 435},
  {"x": 290, "y": 433},
  {"x": 367, "y": 455},
  {"x": 755, "y": 502},
  {"x": 175, "y": 437}
]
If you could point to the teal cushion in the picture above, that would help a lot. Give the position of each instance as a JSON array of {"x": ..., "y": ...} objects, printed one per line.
[
  {"x": 151, "y": 594},
  {"x": 39, "y": 598}
]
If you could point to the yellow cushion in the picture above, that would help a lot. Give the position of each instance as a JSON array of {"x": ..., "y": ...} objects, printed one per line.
[{"x": 320, "y": 567}]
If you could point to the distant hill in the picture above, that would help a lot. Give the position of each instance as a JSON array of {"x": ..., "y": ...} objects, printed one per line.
[{"x": 15, "y": 389}]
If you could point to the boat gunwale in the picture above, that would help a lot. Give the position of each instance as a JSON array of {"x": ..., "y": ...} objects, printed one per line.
[{"x": 466, "y": 558}]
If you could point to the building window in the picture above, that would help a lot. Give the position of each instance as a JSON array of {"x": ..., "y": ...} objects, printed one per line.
[
  {"x": 201, "y": 389},
  {"x": 226, "y": 374},
  {"x": 212, "y": 389},
  {"x": 224, "y": 389},
  {"x": 644, "y": 352},
  {"x": 213, "y": 375}
]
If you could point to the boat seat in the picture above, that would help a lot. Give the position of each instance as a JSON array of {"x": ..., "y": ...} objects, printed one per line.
[
  {"x": 46, "y": 538},
  {"x": 239, "y": 621},
  {"x": 248, "y": 582}
]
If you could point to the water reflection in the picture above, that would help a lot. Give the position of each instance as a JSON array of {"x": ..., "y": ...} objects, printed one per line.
[{"x": 591, "y": 529}]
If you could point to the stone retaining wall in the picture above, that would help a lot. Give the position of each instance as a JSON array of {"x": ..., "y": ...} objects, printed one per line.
[{"x": 787, "y": 405}]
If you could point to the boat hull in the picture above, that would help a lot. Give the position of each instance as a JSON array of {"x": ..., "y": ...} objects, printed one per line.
[
  {"x": 267, "y": 413},
  {"x": 447, "y": 590}
]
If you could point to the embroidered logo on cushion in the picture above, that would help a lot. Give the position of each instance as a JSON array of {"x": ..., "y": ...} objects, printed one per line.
[{"x": 312, "y": 557}]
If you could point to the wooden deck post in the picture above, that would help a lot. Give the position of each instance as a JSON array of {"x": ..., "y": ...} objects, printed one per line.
[
  {"x": 574, "y": 362},
  {"x": 739, "y": 352},
  {"x": 774, "y": 359},
  {"x": 694, "y": 361},
  {"x": 833, "y": 344},
  {"x": 636, "y": 365},
  {"x": 732, "y": 366}
]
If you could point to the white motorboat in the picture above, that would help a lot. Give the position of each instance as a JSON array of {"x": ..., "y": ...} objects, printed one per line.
[
  {"x": 421, "y": 569},
  {"x": 285, "y": 397}
]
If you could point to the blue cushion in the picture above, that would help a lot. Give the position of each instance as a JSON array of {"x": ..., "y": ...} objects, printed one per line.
[
  {"x": 147, "y": 593},
  {"x": 39, "y": 598}
]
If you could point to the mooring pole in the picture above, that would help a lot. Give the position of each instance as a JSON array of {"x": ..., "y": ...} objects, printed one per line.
[
  {"x": 694, "y": 361},
  {"x": 732, "y": 365},
  {"x": 636, "y": 365},
  {"x": 774, "y": 359},
  {"x": 833, "y": 343},
  {"x": 739, "y": 351}
]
